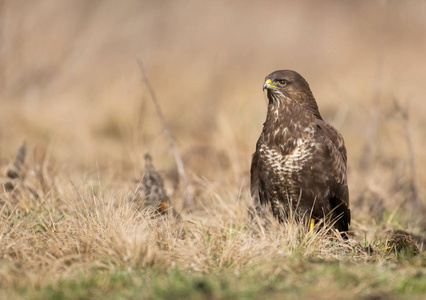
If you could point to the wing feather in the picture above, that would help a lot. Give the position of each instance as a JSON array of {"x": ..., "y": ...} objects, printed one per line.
[{"x": 335, "y": 166}]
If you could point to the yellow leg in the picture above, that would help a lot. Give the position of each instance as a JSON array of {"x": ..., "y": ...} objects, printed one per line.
[
  {"x": 312, "y": 224},
  {"x": 311, "y": 227}
]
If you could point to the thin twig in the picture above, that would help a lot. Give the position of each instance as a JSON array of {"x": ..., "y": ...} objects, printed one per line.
[
  {"x": 371, "y": 147},
  {"x": 170, "y": 138},
  {"x": 411, "y": 156}
]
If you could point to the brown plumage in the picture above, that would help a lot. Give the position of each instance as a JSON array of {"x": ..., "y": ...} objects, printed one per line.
[{"x": 300, "y": 160}]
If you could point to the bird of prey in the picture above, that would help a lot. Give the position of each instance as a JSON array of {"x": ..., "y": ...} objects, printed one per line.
[{"x": 300, "y": 160}]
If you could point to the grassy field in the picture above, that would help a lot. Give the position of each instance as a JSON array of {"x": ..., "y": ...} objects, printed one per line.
[{"x": 76, "y": 121}]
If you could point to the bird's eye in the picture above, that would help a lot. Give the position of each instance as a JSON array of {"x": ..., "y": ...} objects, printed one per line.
[{"x": 282, "y": 82}]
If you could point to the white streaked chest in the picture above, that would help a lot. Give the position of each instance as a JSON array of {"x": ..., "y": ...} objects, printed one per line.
[{"x": 286, "y": 164}]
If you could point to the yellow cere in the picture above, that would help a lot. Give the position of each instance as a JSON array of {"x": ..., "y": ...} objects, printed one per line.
[{"x": 269, "y": 85}]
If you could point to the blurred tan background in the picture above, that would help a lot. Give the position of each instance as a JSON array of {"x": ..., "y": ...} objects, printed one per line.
[{"x": 69, "y": 81}]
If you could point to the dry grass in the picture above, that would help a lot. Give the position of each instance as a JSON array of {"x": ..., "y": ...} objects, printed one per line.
[
  {"x": 54, "y": 228},
  {"x": 71, "y": 88}
]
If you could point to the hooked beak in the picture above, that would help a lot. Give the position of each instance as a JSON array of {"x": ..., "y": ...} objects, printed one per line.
[{"x": 267, "y": 85}]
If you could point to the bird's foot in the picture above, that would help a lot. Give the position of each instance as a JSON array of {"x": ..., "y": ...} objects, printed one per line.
[{"x": 311, "y": 227}]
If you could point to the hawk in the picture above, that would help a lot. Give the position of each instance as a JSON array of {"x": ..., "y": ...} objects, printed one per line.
[{"x": 300, "y": 160}]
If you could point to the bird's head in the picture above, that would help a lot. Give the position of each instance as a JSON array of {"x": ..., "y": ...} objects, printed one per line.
[
  {"x": 286, "y": 82},
  {"x": 290, "y": 88}
]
